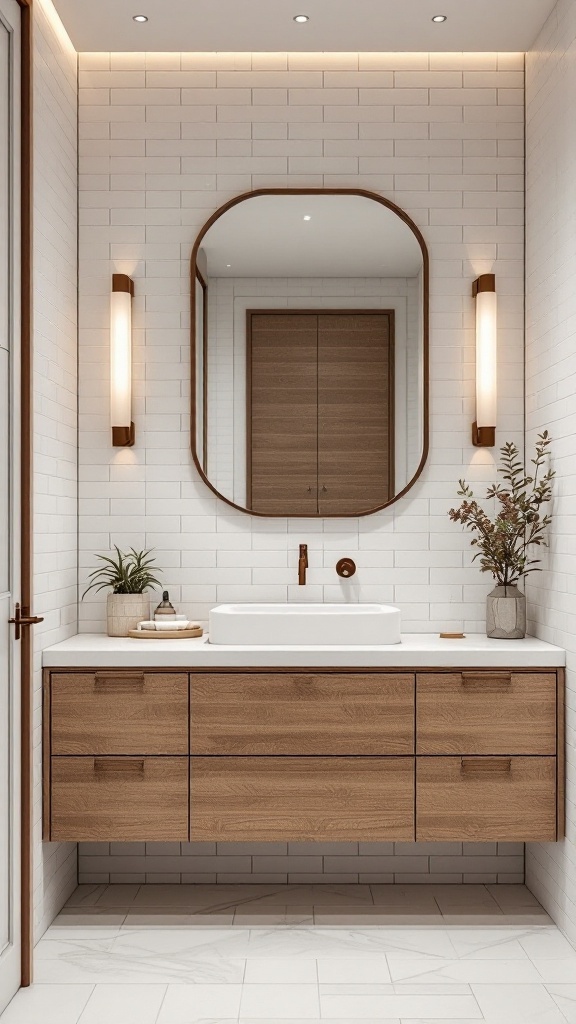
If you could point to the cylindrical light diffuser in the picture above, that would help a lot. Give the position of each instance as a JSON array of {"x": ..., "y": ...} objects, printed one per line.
[
  {"x": 121, "y": 361},
  {"x": 484, "y": 428}
]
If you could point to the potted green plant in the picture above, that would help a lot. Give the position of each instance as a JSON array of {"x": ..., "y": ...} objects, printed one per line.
[
  {"x": 128, "y": 576},
  {"x": 505, "y": 542}
]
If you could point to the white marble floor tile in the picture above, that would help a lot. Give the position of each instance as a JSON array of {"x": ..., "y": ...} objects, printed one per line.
[
  {"x": 403, "y": 897},
  {"x": 91, "y": 917},
  {"x": 327, "y": 1020},
  {"x": 510, "y": 972},
  {"x": 277, "y": 1001},
  {"x": 546, "y": 944},
  {"x": 155, "y": 969},
  {"x": 210, "y": 896},
  {"x": 344, "y": 943},
  {"x": 47, "y": 1004},
  {"x": 565, "y": 998},
  {"x": 512, "y": 897},
  {"x": 450, "y": 897},
  {"x": 317, "y": 896},
  {"x": 197, "y": 942},
  {"x": 361, "y": 1001},
  {"x": 371, "y": 970},
  {"x": 190, "y": 1004},
  {"x": 390, "y": 917},
  {"x": 118, "y": 896},
  {"x": 488, "y": 943},
  {"x": 71, "y": 946},
  {"x": 159, "y": 917},
  {"x": 252, "y": 915},
  {"x": 556, "y": 971},
  {"x": 284, "y": 970},
  {"x": 86, "y": 895},
  {"x": 123, "y": 1004},
  {"x": 527, "y": 917},
  {"x": 517, "y": 1004},
  {"x": 242, "y": 954}
]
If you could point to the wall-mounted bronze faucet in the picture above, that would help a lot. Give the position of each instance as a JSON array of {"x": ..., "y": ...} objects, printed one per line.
[
  {"x": 302, "y": 564},
  {"x": 346, "y": 568}
]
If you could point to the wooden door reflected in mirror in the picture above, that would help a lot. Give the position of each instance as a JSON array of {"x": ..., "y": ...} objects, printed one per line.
[
  {"x": 310, "y": 353},
  {"x": 320, "y": 411}
]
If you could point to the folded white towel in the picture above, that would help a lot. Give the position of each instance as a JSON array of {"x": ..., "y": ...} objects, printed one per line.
[{"x": 159, "y": 625}]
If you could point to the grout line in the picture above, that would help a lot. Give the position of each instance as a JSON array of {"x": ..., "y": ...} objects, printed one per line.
[{"x": 157, "y": 1017}]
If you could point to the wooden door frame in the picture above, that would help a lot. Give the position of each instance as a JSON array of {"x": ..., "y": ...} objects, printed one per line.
[
  {"x": 335, "y": 311},
  {"x": 26, "y": 90}
]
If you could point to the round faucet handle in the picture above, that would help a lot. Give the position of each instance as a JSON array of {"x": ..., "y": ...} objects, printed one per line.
[{"x": 345, "y": 568}]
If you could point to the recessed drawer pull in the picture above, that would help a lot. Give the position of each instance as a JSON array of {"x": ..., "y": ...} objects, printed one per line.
[
  {"x": 112, "y": 680},
  {"x": 486, "y": 678},
  {"x": 486, "y": 765},
  {"x": 120, "y": 765}
]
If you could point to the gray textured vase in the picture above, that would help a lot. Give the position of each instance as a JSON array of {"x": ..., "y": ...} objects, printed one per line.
[{"x": 506, "y": 614}]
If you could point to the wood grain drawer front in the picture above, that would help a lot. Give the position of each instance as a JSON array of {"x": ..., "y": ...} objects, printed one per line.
[
  {"x": 476, "y": 712},
  {"x": 302, "y": 713},
  {"x": 111, "y": 712},
  {"x": 121, "y": 799},
  {"x": 486, "y": 799},
  {"x": 306, "y": 798}
]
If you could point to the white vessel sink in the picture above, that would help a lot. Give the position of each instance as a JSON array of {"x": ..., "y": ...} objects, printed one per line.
[{"x": 304, "y": 624}]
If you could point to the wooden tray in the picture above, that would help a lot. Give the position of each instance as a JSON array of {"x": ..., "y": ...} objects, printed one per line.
[{"x": 165, "y": 634}]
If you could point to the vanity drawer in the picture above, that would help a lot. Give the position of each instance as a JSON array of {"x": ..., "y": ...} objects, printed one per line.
[
  {"x": 476, "y": 712},
  {"x": 119, "y": 799},
  {"x": 486, "y": 799},
  {"x": 302, "y": 713},
  {"x": 119, "y": 712},
  {"x": 306, "y": 798}
]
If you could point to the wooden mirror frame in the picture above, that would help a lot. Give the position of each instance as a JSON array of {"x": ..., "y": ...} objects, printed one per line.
[{"x": 363, "y": 193}]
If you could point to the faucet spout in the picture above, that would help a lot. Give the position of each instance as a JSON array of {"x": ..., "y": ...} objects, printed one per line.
[{"x": 302, "y": 565}]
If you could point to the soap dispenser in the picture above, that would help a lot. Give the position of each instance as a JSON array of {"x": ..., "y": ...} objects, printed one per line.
[{"x": 165, "y": 609}]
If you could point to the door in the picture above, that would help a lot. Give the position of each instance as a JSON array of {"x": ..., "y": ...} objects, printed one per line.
[
  {"x": 9, "y": 499},
  {"x": 282, "y": 426},
  {"x": 355, "y": 412},
  {"x": 320, "y": 411}
]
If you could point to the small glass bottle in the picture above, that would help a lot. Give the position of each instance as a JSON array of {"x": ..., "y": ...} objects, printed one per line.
[{"x": 165, "y": 609}]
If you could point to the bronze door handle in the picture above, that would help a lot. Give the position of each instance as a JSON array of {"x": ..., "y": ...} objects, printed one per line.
[{"x": 20, "y": 620}]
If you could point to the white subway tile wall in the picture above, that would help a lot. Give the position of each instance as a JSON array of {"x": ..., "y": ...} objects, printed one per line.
[
  {"x": 55, "y": 268},
  {"x": 550, "y": 394},
  {"x": 292, "y": 863},
  {"x": 165, "y": 139}
]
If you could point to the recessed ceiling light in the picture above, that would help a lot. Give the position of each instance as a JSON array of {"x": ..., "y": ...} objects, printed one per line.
[
  {"x": 307, "y": 217},
  {"x": 141, "y": 18},
  {"x": 439, "y": 18},
  {"x": 228, "y": 265},
  {"x": 301, "y": 18}
]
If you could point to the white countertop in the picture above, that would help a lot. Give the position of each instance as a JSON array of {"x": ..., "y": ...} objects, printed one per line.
[{"x": 417, "y": 650}]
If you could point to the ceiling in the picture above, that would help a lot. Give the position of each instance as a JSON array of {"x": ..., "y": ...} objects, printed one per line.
[
  {"x": 335, "y": 25},
  {"x": 346, "y": 236}
]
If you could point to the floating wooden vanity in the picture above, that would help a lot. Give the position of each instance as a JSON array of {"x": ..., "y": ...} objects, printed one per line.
[{"x": 260, "y": 753}]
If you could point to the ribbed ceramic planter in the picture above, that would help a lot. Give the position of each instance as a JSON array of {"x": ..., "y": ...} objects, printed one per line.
[
  {"x": 506, "y": 614},
  {"x": 125, "y": 611}
]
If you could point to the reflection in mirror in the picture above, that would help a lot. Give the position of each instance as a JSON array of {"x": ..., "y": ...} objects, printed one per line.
[{"x": 310, "y": 356}]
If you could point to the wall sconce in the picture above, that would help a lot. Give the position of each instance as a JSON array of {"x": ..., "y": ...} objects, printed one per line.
[
  {"x": 121, "y": 361},
  {"x": 484, "y": 427}
]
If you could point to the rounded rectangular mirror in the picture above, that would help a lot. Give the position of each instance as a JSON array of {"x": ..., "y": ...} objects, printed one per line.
[{"x": 310, "y": 353}]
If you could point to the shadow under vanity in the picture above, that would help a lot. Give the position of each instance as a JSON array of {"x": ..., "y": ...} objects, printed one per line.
[{"x": 431, "y": 740}]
